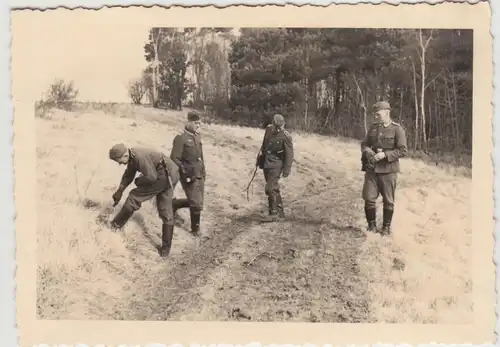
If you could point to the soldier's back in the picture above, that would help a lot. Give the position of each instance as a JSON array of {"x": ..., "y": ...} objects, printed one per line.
[{"x": 148, "y": 152}]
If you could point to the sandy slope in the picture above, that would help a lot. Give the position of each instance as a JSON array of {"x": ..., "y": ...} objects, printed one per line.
[{"x": 318, "y": 266}]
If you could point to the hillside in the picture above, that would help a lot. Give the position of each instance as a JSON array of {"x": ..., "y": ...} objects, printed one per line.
[{"x": 318, "y": 266}]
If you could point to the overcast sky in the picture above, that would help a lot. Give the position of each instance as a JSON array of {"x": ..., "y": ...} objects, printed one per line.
[{"x": 99, "y": 55}]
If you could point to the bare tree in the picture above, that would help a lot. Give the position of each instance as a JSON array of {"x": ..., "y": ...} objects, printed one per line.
[
  {"x": 136, "y": 90},
  {"x": 423, "y": 45}
]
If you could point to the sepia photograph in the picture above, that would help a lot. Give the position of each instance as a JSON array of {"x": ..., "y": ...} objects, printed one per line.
[{"x": 258, "y": 173}]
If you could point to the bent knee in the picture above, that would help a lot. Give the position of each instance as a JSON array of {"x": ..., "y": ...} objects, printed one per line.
[
  {"x": 196, "y": 206},
  {"x": 388, "y": 205},
  {"x": 132, "y": 203},
  {"x": 370, "y": 204}
]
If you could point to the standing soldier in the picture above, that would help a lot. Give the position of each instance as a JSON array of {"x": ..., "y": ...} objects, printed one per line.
[
  {"x": 158, "y": 179},
  {"x": 187, "y": 153},
  {"x": 275, "y": 159},
  {"x": 381, "y": 149}
]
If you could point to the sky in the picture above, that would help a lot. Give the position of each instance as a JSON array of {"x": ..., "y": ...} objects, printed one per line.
[
  {"x": 99, "y": 55},
  {"x": 100, "y": 51}
]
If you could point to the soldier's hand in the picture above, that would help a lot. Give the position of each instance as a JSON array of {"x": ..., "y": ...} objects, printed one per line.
[
  {"x": 286, "y": 174},
  {"x": 117, "y": 196},
  {"x": 379, "y": 156}
]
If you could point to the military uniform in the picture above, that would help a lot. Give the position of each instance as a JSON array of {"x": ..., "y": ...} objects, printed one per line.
[
  {"x": 275, "y": 159},
  {"x": 381, "y": 177},
  {"x": 187, "y": 153},
  {"x": 158, "y": 179}
]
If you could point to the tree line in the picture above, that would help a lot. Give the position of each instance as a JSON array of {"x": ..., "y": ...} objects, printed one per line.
[{"x": 322, "y": 80}]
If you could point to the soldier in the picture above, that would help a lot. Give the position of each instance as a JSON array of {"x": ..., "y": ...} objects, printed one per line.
[
  {"x": 275, "y": 159},
  {"x": 187, "y": 153},
  {"x": 381, "y": 149},
  {"x": 158, "y": 179}
]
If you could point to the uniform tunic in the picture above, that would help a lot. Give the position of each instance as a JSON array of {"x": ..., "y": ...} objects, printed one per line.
[
  {"x": 381, "y": 178},
  {"x": 187, "y": 153},
  {"x": 159, "y": 177},
  {"x": 276, "y": 158}
]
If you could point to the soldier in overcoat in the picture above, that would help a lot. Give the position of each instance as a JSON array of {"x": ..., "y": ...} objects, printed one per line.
[
  {"x": 159, "y": 176},
  {"x": 385, "y": 143},
  {"x": 275, "y": 158},
  {"x": 187, "y": 153}
]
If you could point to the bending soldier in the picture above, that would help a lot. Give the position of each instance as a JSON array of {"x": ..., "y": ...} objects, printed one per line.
[
  {"x": 275, "y": 159},
  {"x": 158, "y": 179},
  {"x": 187, "y": 153},
  {"x": 381, "y": 149}
]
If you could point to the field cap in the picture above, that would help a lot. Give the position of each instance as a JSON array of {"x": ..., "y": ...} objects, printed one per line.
[
  {"x": 117, "y": 151},
  {"x": 381, "y": 105},
  {"x": 278, "y": 119},
  {"x": 193, "y": 116}
]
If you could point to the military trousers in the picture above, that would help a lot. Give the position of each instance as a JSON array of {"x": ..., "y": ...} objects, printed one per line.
[
  {"x": 376, "y": 184},
  {"x": 272, "y": 177},
  {"x": 272, "y": 189},
  {"x": 195, "y": 192},
  {"x": 162, "y": 190}
]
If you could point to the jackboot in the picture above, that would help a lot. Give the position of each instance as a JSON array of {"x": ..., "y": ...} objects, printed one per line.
[
  {"x": 387, "y": 220},
  {"x": 167, "y": 233},
  {"x": 121, "y": 218},
  {"x": 371, "y": 218},
  {"x": 195, "y": 215},
  {"x": 273, "y": 210},
  {"x": 279, "y": 206}
]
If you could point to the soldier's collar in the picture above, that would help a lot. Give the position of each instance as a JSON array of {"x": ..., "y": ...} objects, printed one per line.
[
  {"x": 190, "y": 131},
  {"x": 131, "y": 153}
]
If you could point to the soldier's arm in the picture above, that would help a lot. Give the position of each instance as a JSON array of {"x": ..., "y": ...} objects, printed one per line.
[
  {"x": 266, "y": 134},
  {"x": 401, "y": 146},
  {"x": 288, "y": 153},
  {"x": 147, "y": 169},
  {"x": 127, "y": 177},
  {"x": 176, "y": 153},
  {"x": 262, "y": 146},
  {"x": 365, "y": 145},
  {"x": 201, "y": 154},
  {"x": 203, "y": 160}
]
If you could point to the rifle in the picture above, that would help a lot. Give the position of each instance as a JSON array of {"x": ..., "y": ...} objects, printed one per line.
[{"x": 258, "y": 165}]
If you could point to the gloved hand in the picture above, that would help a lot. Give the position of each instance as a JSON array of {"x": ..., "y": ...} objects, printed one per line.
[
  {"x": 285, "y": 174},
  {"x": 117, "y": 196}
]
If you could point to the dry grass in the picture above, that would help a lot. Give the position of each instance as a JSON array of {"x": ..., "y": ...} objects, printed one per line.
[{"x": 318, "y": 266}]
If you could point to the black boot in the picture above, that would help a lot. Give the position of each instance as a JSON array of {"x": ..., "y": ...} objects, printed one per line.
[
  {"x": 273, "y": 210},
  {"x": 195, "y": 215},
  {"x": 387, "y": 220},
  {"x": 371, "y": 218},
  {"x": 167, "y": 233},
  {"x": 121, "y": 218},
  {"x": 279, "y": 205}
]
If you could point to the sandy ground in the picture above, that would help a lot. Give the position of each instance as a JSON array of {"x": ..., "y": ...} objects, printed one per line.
[{"x": 317, "y": 266}]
